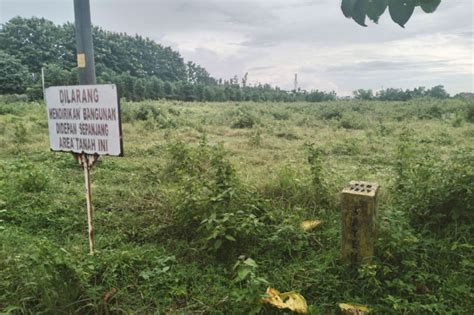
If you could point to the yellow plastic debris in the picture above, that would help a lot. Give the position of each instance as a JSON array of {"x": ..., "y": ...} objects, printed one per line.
[
  {"x": 309, "y": 224},
  {"x": 288, "y": 300},
  {"x": 353, "y": 309}
]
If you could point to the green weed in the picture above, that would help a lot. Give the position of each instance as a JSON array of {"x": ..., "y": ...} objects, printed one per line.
[{"x": 178, "y": 218}]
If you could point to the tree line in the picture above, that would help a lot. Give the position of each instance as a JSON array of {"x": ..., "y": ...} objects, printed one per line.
[
  {"x": 141, "y": 68},
  {"x": 392, "y": 94}
]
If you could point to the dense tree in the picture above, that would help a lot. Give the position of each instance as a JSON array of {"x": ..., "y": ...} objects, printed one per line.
[
  {"x": 362, "y": 94},
  {"x": 320, "y": 96},
  {"x": 138, "y": 93},
  {"x": 35, "y": 42},
  {"x": 198, "y": 75},
  {"x": 437, "y": 92},
  {"x": 55, "y": 75},
  {"x": 168, "y": 90},
  {"x": 13, "y": 75},
  {"x": 418, "y": 92},
  {"x": 392, "y": 94}
]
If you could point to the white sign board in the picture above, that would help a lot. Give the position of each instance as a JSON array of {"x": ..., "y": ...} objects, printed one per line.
[{"x": 84, "y": 119}]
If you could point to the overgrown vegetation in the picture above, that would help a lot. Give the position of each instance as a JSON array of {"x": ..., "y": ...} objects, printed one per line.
[{"x": 204, "y": 211}]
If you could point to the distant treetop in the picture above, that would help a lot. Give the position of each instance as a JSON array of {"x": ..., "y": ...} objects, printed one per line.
[{"x": 400, "y": 10}]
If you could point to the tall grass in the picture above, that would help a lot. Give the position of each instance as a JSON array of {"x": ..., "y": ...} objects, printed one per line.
[{"x": 204, "y": 211}]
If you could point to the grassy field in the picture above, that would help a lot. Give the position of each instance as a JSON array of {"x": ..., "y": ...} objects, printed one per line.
[{"x": 203, "y": 213}]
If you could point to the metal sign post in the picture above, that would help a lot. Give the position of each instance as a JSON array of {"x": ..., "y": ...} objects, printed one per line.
[
  {"x": 85, "y": 48},
  {"x": 86, "y": 65},
  {"x": 85, "y": 119}
]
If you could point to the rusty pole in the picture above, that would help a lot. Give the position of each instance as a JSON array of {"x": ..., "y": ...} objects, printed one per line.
[{"x": 86, "y": 67}]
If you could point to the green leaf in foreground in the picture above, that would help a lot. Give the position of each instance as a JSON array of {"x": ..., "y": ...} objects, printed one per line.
[
  {"x": 347, "y": 7},
  {"x": 360, "y": 12},
  {"x": 429, "y": 6},
  {"x": 376, "y": 8},
  {"x": 401, "y": 10}
]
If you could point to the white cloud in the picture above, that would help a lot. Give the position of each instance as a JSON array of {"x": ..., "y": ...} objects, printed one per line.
[{"x": 223, "y": 44}]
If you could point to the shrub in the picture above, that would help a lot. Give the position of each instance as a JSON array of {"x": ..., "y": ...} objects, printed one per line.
[
  {"x": 287, "y": 135},
  {"x": 255, "y": 138},
  {"x": 149, "y": 266},
  {"x": 20, "y": 133},
  {"x": 250, "y": 285},
  {"x": 153, "y": 116},
  {"x": 26, "y": 189},
  {"x": 146, "y": 112},
  {"x": 435, "y": 112},
  {"x": 431, "y": 112},
  {"x": 13, "y": 109},
  {"x": 36, "y": 276},
  {"x": 346, "y": 147},
  {"x": 291, "y": 187},
  {"x": 332, "y": 112},
  {"x": 458, "y": 121},
  {"x": 288, "y": 187},
  {"x": 22, "y": 177},
  {"x": 243, "y": 120},
  {"x": 318, "y": 174},
  {"x": 352, "y": 121},
  {"x": 13, "y": 98},
  {"x": 383, "y": 130},
  {"x": 470, "y": 112},
  {"x": 438, "y": 194},
  {"x": 281, "y": 115},
  {"x": 212, "y": 207}
]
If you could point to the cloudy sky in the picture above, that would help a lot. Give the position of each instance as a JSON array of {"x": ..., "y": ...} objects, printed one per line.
[{"x": 274, "y": 39}]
